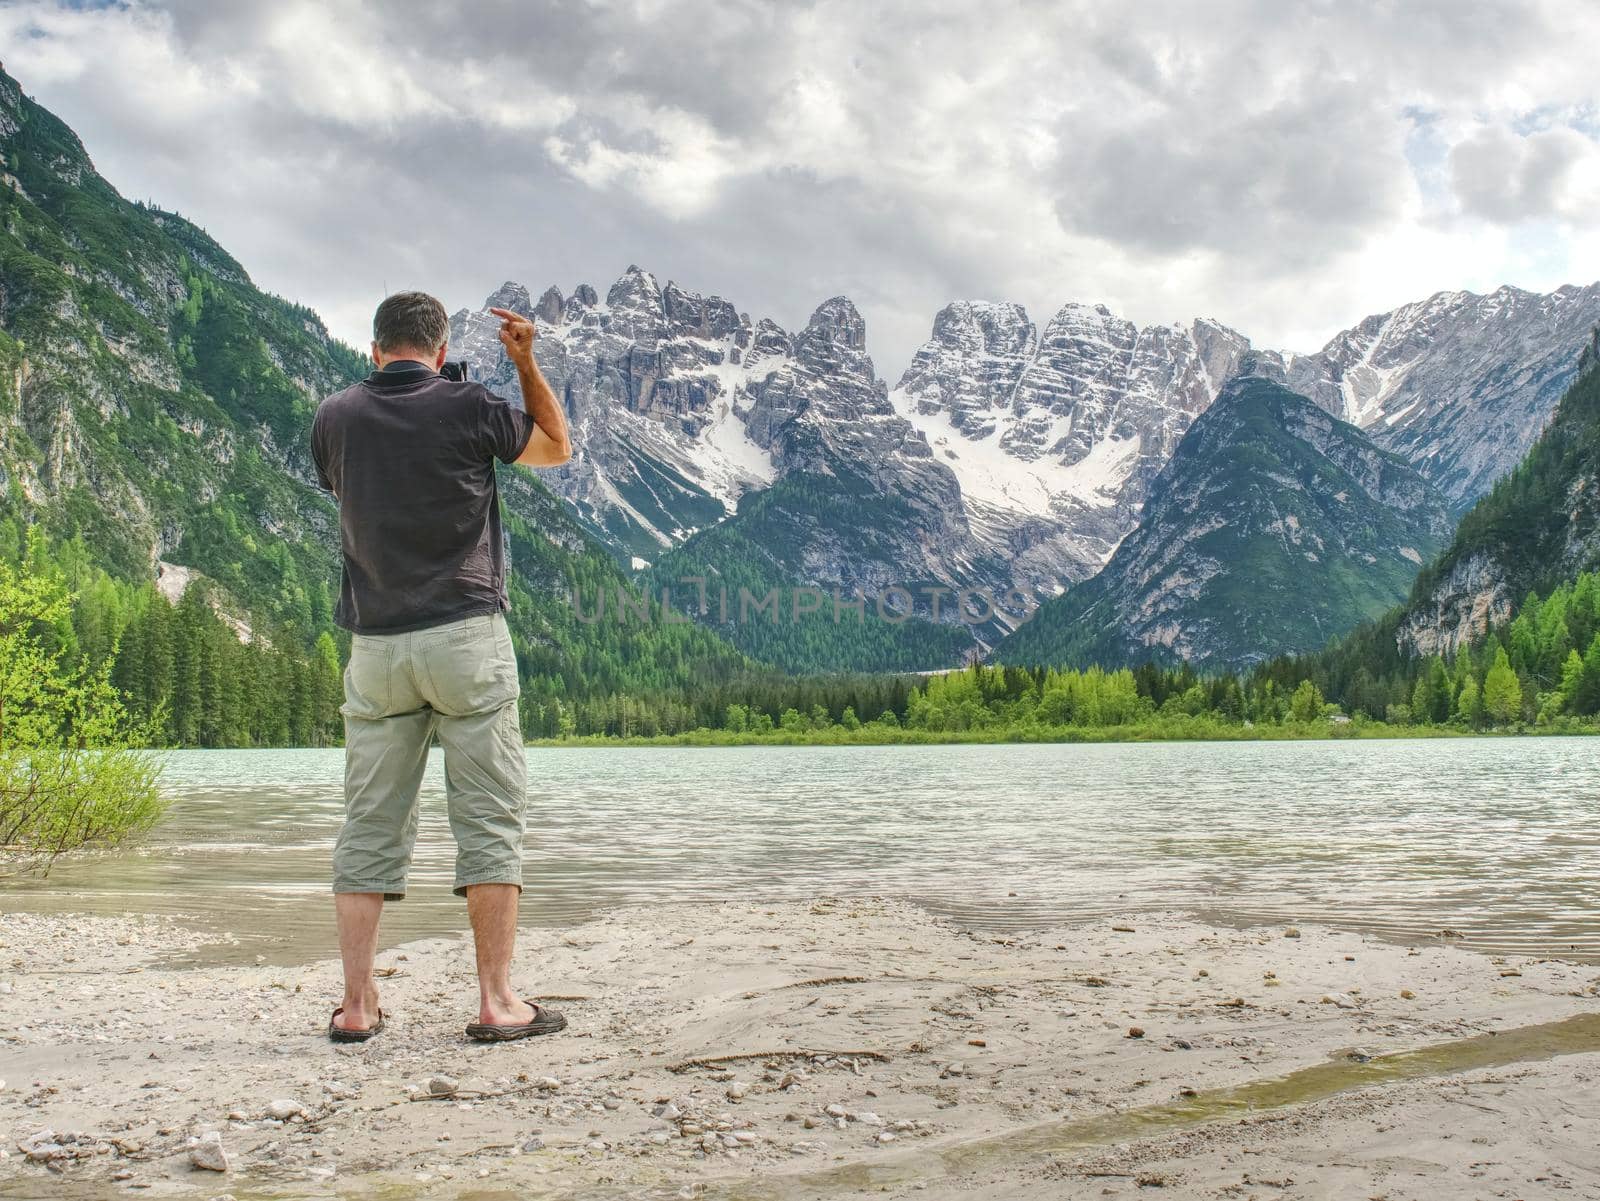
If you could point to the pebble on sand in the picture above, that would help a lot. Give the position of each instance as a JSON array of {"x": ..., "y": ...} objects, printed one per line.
[{"x": 209, "y": 1154}]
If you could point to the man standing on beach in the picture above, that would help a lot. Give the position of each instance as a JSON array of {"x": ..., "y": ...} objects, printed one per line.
[{"x": 410, "y": 456}]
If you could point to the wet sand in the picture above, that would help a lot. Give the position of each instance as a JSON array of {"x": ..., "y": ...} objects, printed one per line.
[{"x": 843, "y": 1048}]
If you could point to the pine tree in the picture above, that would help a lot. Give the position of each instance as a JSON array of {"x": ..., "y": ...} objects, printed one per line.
[
  {"x": 210, "y": 721},
  {"x": 1587, "y": 698},
  {"x": 1306, "y": 703},
  {"x": 189, "y": 632},
  {"x": 328, "y": 689},
  {"x": 1571, "y": 681},
  {"x": 1502, "y": 693}
]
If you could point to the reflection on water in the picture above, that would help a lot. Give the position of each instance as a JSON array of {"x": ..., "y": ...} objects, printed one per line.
[{"x": 1496, "y": 838}]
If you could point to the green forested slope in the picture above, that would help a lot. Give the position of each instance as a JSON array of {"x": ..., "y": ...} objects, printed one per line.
[
  {"x": 154, "y": 400},
  {"x": 155, "y": 407},
  {"x": 761, "y": 551},
  {"x": 1273, "y": 529},
  {"x": 1538, "y": 527}
]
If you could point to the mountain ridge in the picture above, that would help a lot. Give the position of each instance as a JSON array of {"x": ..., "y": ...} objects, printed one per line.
[
  {"x": 157, "y": 406},
  {"x": 1054, "y": 435},
  {"x": 158, "y": 401},
  {"x": 1274, "y": 525},
  {"x": 1538, "y": 528}
]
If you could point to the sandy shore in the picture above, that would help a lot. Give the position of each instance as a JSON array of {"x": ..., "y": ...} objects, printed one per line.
[{"x": 840, "y": 1049}]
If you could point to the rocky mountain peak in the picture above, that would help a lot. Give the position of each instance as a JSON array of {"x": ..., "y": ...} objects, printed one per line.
[
  {"x": 1273, "y": 527},
  {"x": 1459, "y": 384},
  {"x": 512, "y": 296},
  {"x": 550, "y": 305},
  {"x": 63, "y": 154},
  {"x": 694, "y": 315},
  {"x": 635, "y": 304},
  {"x": 985, "y": 327},
  {"x": 838, "y": 321}
]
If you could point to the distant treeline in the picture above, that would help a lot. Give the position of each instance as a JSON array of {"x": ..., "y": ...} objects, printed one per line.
[
  {"x": 1540, "y": 671},
  {"x": 1541, "y": 668},
  {"x": 186, "y": 673}
]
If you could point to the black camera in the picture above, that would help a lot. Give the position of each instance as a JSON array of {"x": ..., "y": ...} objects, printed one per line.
[{"x": 456, "y": 370}]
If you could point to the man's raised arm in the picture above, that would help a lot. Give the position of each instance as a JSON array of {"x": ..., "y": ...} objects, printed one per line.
[{"x": 549, "y": 444}]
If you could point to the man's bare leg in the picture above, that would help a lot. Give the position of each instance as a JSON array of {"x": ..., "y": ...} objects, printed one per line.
[
  {"x": 358, "y": 914},
  {"x": 492, "y": 910}
]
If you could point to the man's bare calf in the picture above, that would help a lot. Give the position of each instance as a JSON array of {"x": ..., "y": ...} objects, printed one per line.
[
  {"x": 492, "y": 910},
  {"x": 358, "y": 914}
]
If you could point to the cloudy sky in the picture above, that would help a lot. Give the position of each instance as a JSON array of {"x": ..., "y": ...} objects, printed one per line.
[{"x": 1283, "y": 167}]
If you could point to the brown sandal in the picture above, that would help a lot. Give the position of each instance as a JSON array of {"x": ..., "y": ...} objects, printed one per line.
[
  {"x": 545, "y": 1021},
  {"x": 340, "y": 1035}
]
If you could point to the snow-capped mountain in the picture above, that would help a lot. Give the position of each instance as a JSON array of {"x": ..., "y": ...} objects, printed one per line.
[
  {"x": 825, "y": 412},
  {"x": 1056, "y": 437},
  {"x": 681, "y": 405},
  {"x": 1008, "y": 457},
  {"x": 1459, "y": 385},
  {"x": 657, "y": 384},
  {"x": 1272, "y": 529},
  {"x": 861, "y": 506},
  {"x": 1072, "y": 426}
]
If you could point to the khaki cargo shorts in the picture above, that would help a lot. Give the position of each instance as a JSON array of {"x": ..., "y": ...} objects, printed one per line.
[{"x": 459, "y": 680}]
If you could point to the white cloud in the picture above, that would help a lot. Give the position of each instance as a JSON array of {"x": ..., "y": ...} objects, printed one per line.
[
  {"x": 1508, "y": 177},
  {"x": 1284, "y": 168}
]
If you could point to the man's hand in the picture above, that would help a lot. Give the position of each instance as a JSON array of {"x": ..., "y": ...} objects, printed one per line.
[
  {"x": 516, "y": 335},
  {"x": 548, "y": 444}
]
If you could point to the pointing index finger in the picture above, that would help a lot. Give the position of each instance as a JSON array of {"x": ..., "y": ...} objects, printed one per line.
[{"x": 509, "y": 315}]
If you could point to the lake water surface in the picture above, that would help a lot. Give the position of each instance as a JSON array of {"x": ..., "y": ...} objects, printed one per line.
[{"x": 1495, "y": 838}]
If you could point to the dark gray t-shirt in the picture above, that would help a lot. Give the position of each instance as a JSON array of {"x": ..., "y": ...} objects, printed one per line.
[{"x": 410, "y": 456}]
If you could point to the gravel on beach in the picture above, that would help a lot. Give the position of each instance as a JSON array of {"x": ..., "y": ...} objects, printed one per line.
[{"x": 830, "y": 1049}]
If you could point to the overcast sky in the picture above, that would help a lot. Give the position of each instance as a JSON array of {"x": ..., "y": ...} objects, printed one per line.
[{"x": 1285, "y": 168}]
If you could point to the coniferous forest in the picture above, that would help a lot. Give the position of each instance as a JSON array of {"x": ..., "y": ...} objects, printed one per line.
[
  {"x": 195, "y": 675},
  {"x": 185, "y": 393}
]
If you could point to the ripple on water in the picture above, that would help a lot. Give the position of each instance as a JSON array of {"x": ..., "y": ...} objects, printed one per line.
[{"x": 1494, "y": 838}]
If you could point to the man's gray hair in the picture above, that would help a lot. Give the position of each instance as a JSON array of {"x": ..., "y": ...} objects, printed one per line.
[{"x": 410, "y": 321}]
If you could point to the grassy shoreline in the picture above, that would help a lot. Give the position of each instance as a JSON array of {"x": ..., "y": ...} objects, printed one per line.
[{"x": 1194, "y": 730}]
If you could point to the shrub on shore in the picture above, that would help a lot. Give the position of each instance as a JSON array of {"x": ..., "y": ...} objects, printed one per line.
[{"x": 72, "y": 773}]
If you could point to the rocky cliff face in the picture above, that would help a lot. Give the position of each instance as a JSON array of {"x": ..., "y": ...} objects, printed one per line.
[
  {"x": 1471, "y": 597},
  {"x": 156, "y": 402},
  {"x": 1459, "y": 385},
  {"x": 656, "y": 384},
  {"x": 1055, "y": 438},
  {"x": 1273, "y": 528},
  {"x": 1539, "y": 527}
]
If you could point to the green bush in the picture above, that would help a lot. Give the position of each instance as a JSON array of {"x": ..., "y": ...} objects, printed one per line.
[{"x": 71, "y": 771}]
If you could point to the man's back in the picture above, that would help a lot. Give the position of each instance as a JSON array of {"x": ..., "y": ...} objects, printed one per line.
[{"x": 410, "y": 456}]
